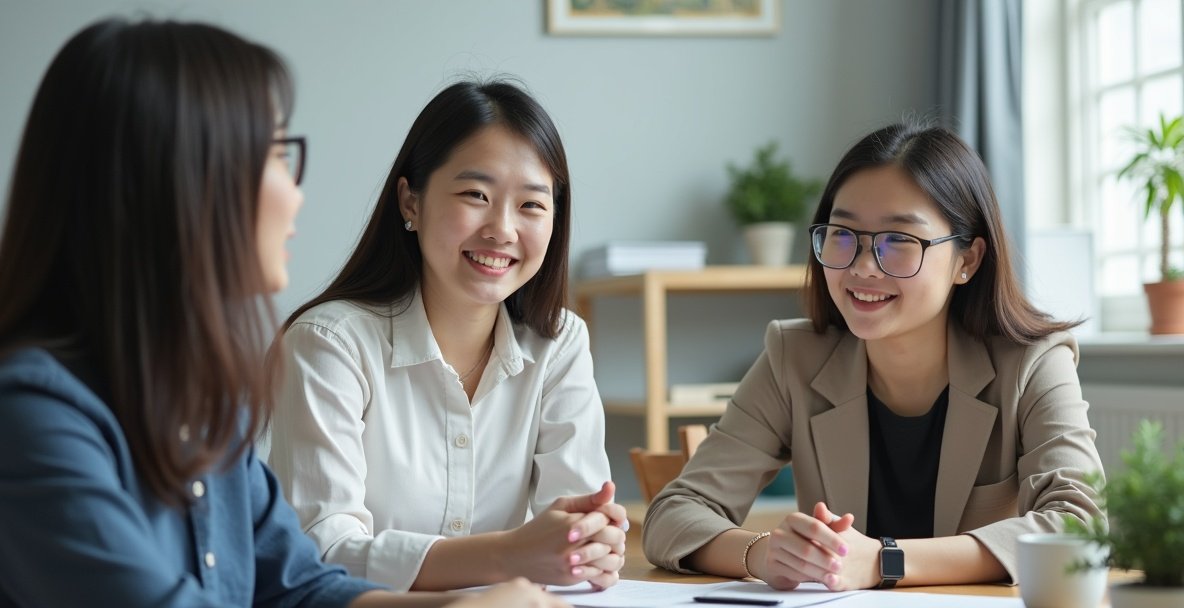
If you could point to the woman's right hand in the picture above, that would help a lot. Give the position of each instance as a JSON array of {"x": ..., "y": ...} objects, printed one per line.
[
  {"x": 518, "y": 593},
  {"x": 555, "y": 548},
  {"x": 803, "y": 548}
]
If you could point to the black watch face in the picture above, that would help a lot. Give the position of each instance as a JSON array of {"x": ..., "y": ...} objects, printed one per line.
[{"x": 892, "y": 563}]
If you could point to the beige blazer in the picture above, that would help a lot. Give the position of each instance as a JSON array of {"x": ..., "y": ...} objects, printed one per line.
[{"x": 1016, "y": 447}]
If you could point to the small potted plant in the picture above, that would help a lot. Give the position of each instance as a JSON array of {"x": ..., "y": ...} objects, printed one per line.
[
  {"x": 1145, "y": 502},
  {"x": 767, "y": 199},
  {"x": 1158, "y": 169}
]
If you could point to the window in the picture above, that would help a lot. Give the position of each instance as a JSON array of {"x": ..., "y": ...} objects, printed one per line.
[{"x": 1126, "y": 68}]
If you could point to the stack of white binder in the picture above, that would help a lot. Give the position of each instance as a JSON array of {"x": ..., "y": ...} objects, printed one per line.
[{"x": 635, "y": 257}]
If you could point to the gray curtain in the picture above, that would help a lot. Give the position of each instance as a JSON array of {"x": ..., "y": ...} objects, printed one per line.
[{"x": 979, "y": 95}]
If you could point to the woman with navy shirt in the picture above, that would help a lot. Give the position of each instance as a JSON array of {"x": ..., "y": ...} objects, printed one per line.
[{"x": 154, "y": 189}]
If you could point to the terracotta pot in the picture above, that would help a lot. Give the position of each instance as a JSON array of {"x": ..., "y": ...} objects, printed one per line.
[
  {"x": 1137, "y": 595},
  {"x": 1166, "y": 301},
  {"x": 769, "y": 243}
]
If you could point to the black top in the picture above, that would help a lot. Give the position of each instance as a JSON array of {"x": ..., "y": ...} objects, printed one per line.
[{"x": 902, "y": 479}]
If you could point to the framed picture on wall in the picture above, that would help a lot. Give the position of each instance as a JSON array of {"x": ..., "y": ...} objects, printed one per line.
[{"x": 663, "y": 17}]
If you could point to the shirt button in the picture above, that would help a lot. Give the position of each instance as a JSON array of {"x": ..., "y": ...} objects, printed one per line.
[
  {"x": 462, "y": 441},
  {"x": 210, "y": 561},
  {"x": 458, "y": 524},
  {"x": 199, "y": 489}
]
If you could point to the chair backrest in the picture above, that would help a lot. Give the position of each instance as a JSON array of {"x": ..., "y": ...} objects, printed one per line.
[
  {"x": 656, "y": 469},
  {"x": 691, "y": 436}
]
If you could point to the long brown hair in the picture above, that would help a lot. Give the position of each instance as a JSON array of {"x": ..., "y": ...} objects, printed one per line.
[
  {"x": 387, "y": 264},
  {"x": 130, "y": 234},
  {"x": 993, "y": 302}
]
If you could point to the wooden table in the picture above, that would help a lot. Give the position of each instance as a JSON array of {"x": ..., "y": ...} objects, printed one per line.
[{"x": 637, "y": 568}]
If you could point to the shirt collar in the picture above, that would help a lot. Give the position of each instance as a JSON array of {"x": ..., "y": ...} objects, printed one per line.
[
  {"x": 411, "y": 337},
  {"x": 412, "y": 341}
]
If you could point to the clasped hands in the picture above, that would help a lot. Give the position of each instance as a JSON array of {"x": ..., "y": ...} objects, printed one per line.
[
  {"x": 576, "y": 539},
  {"x": 822, "y": 548}
]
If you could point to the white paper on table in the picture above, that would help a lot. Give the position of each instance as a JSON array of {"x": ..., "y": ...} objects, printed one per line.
[
  {"x": 633, "y": 594},
  {"x": 806, "y": 594},
  {"x": 644, "y": 594}
]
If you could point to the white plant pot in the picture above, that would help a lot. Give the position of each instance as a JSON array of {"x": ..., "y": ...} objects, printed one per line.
[
  {"x": 1133, "y": 595},
  {"x": 769, "y": 243}
]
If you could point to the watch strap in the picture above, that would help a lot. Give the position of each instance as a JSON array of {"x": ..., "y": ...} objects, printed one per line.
[{"x": 888, "y": 580}]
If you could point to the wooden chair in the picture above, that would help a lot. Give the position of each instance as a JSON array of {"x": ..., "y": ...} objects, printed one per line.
[{"x": 656, "y": 469}]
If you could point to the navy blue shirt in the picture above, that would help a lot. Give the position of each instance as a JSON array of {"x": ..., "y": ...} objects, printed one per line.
[{"x": 79, "y": 527}]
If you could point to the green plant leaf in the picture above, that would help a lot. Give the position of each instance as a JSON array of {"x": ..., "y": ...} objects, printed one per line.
[
  {"x": 1145, "y": 502},
  {"x": 1157, "y": 168},
  {"x": 767, "y": 190}
]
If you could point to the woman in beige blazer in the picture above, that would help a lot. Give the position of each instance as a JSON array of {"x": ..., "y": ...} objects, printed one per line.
[{"x": 925, "y": 397}]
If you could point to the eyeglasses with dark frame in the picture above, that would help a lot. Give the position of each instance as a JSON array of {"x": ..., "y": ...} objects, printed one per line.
[
  {"x": 898, "y": 254},
  {"x": 294, "y": 155}
]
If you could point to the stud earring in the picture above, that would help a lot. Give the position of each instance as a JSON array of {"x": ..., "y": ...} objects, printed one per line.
[
  {"x": 963, "y": 274},
  {"x": 407, "y": 227}
]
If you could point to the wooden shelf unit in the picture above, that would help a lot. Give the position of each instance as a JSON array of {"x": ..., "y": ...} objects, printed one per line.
[{"x": 653, "y": 287}]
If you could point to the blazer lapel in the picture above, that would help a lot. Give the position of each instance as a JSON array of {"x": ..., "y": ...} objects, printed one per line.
[
  {"x": 841, "y": 434},
  {"x": 969, "y": 423}
]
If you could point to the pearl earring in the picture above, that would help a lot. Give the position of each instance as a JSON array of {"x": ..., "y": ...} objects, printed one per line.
[
  {"x": 407, "y": 227},
  {"x": 963, "y": 274}
]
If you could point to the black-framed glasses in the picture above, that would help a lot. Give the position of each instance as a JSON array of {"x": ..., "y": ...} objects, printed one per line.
[
  {"x": 898, "y": 254},
  {"x": 293, "y": 155}
]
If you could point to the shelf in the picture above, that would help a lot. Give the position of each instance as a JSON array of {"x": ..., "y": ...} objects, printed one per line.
[
  {"x": 708, "y": 280},
  {"x": 637, "y": 408},
  {"x": 653, "y": 287}
]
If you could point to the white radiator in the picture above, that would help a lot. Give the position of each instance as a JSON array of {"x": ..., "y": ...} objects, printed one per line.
[{"x": 1116, "y": 409}]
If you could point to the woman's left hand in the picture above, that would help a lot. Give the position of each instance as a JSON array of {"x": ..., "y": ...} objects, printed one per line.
[
  {"x": 601, "y": 501},
  {"x": 861, "y": 566},
  {"x": 611, "y": 563},
  {"x": 600, "y": 506}
]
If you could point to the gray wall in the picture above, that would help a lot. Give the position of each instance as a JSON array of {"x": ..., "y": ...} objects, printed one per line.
[{"x": 649, "y": 124}]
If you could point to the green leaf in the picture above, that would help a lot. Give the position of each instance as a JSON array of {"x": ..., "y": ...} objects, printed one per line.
[
  {"x": 1157, "y": 166},
  {"x": 767, "y": 190},
  {"x": 1145, "y": 502}
]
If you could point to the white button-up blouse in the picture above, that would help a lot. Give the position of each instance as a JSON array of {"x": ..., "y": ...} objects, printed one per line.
[{"x": 379, "y": 451}]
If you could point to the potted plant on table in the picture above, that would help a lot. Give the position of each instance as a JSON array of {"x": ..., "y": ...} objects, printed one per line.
[
  {"x": 1158, "y": 169},
  {"x": 766, "y": 198},
  {"x": 1145, "y": 502}
]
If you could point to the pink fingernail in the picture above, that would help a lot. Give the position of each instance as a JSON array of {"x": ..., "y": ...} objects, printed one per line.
[
  {"x": 835, "y": 565},
  {"x": 575, "y": 558},
  {"x": 573, "y": 536},
  {"x": 843, "y": 550},
  {"x": 832, "y": 580},
  {"x": 577, "y": 571}
]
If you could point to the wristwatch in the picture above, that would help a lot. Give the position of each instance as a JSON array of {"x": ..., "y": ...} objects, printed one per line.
[{"x": 891, "y": 562}]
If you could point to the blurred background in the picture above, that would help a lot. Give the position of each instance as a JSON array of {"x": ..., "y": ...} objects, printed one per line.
[{"x": 651, "y": 121}]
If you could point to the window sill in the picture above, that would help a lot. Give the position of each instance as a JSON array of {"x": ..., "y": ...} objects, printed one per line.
[{"x": 1132, "y": 343}]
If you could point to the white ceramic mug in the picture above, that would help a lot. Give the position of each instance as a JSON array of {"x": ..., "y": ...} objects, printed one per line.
[{"x": 1045, "y": 577}]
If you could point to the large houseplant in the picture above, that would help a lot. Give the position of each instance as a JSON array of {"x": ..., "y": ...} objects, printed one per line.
[
  {"x": 1158, "y": 169},
  {"x": 1145, "y": 502},
  {"x": 766, "y": 198}
]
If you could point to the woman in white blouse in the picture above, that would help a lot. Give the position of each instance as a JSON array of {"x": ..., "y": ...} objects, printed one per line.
[{"x": 437, "y": 392}]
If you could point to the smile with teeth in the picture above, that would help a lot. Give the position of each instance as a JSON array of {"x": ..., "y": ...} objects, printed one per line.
[
  {"x": 491, "y": 262},
  {"x": 870, "y": 297}
]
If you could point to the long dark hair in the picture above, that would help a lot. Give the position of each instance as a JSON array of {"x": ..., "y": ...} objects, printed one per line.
[
  {"x": 387, "y": 264},
  {"x": 953, "y": 175},
  {"x": 130, "y": 236}
]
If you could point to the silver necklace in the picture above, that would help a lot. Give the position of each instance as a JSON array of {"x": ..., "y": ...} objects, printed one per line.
[{"x": 480, "y": 360}]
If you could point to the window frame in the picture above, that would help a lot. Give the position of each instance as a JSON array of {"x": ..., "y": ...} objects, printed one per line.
[{"x": 1086, "y": 175}]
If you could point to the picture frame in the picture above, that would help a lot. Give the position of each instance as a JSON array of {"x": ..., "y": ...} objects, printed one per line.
[{"x": 663, "y": 17}]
